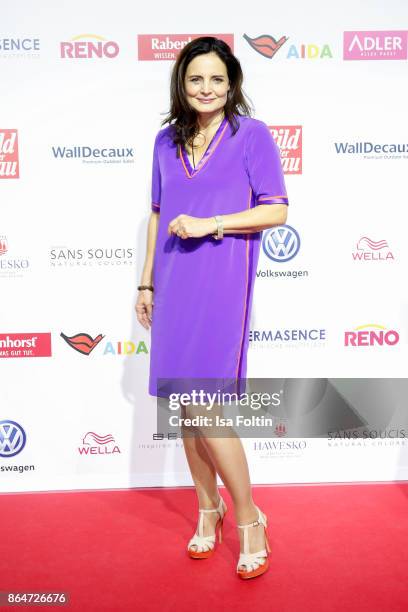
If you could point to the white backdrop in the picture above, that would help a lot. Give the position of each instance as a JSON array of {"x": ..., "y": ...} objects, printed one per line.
[{"x": 73, "y": 229}]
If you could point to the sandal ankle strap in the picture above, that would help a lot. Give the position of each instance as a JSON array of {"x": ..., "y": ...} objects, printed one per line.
[
  {"x": 259, "y": 521},
  {"x": 219, "y": 509}
]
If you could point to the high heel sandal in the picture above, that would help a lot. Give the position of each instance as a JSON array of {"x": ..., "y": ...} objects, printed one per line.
[
  {"x": 207, "y": 543},
  {"x": 256, "y": 563}
]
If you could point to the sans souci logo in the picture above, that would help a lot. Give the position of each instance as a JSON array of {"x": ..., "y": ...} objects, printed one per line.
[
  {"x": 371, "y": 335},
  {"x": 9, "y": 162},
  {"x": 375, "y": 45},
  {"x": 11, "y": 266},
  {"x": 89, "y": 46},
  {"x": 25, "y": 345},
  {"x": 93, "y": 444},
  {"x": 289, "y": 140},
  {"x": 371, "y": 150},
  {"x": 85, "y": 344},
  {"x": 15, "y": 48},
  {"x": 66, "y": 257},
  {"x": 12, "y": 438},
  {"x": 282, "y": 338},
  {"x": 161, "y": 47},
  {"x": 268, "y": 46},
  {"x": 371, "y": 250},
  {"x": 95, "y": 155}
]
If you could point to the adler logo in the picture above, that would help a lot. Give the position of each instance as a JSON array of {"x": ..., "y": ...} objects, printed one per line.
[
  {"x": 89, "y": 46},
  {"x": 167, "y": 46},
  {"x": 375, "y": 45}
]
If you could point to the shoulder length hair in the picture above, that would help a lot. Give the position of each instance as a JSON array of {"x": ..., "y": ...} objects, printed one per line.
[{"x": 183, "y": 116}]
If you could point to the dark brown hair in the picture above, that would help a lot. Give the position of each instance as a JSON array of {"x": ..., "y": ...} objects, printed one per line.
[{"x": 183, "y": 115}]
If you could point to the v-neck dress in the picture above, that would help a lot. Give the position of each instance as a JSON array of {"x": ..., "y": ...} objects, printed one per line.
[{"x": 203, "y": 287}]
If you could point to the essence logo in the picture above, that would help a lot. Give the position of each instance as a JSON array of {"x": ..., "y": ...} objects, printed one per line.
[
  {"x": 79, "y": 47},
  {"x": 372, "y": 45},
  {"x": 281, "y": 243},
  {"x": 371, "y": 335},
  {"x": 12, "y": 438}
]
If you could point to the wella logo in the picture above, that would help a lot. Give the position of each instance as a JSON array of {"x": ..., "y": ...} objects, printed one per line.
[
  {"x": 371, "y": 335},
  {"x": 375, "y": 45},
  {"x": 89, "y": 46},
  {"x": 371, "y": 250},
  {"x": 93, "y": 444}
]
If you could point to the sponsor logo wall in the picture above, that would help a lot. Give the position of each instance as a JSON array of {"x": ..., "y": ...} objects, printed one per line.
[{"x": 79, "y": 115}]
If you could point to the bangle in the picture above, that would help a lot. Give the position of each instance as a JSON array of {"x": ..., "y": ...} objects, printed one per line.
[
  {"x": 150, "y": 287},
  {"x": 218, "y": 235}
]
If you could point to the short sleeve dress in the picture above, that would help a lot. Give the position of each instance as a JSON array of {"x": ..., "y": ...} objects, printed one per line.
[{"x": 203, "y": 287}]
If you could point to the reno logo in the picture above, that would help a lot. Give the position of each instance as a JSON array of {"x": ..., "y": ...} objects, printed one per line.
[
  {"x": 370, "y": 250},
  {"x": 9, "y": 163},
  {"x": 89, "y": 46},
  {"x": 12, "y": 438},
  {"x": 281, "y": 243},
  {"x": 168, "y": 46},
  {"x": 373, "y": 45},
  {"x": 371, "y": 335},
  {"x": 289, "y": 140}
]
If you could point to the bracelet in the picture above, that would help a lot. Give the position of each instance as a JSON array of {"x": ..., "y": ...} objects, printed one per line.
[
  {"x": 140, "y": 287},
  {"x": 218, "y": 235}
]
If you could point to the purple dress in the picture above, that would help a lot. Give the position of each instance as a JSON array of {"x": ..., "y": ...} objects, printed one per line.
[{"x": 203, "y": 287}]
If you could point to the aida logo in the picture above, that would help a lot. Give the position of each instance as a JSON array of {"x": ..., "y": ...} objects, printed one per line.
[
  {"x": 25, "y": 345},
  {"x": 167, "y": 46},
  {"x": 371, "y": 250},
  {"x": 289, "y": 140},
  {"x": 89, "y": 46},
  {"x": 375, "y": 45},
  {"x": 93, "y": 444},
  {"x": 9, "y": 163},
  {"x": 371, "y": 335},
  {"x": 265, "y": 44},
  {"x": 268, "y": 46},
  {"x": 83, "y": 343}
]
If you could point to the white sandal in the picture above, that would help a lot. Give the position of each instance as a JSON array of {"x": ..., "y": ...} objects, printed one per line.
[
  {"x": 256, "y": 563},
  {"x": 205, "y": 544}
]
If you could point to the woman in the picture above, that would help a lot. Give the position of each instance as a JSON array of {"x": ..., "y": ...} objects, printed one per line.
[{"x": 217, "y": 182}]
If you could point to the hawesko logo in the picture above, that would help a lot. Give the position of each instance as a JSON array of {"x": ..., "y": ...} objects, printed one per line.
[
  {"x": 3, "y": 245},
  {"x": 289, "y": 140},
  {"x": 168, "y": 46},
  {"x": 371, "y": 335},
  {"x": 265, "y": 44},
  {"x": 371, "y": 250},
  {"x": 83, "y": 343},
  {"x": 89, "y": 46},
  {"x": 375, "y": 45},
  {"x": 12, "y": 438},
  {"x": 93, "y": 444},
  {"x": 281, "y": 243},
  {"x": 9, "y": 163},
  {"x": 25, "y": 345}
]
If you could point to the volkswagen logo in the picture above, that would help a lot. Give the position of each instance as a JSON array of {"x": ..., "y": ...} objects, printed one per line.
[
  {"x": 12, "y": 438},
  {"x": 281, "y": 243}
]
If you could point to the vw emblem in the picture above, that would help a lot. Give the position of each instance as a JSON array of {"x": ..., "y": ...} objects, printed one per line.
[
  {"x": 12, "y": 438},
  {"x": 281, "y": 243}
]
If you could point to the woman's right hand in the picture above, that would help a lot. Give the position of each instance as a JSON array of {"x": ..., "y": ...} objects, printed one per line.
[{"x": 144, "y": 307}]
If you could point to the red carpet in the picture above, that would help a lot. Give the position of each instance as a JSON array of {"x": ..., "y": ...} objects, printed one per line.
[{"x": 335, "y": 548}]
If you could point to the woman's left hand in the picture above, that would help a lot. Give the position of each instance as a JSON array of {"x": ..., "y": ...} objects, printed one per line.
[{"x": 185, "y": 226}]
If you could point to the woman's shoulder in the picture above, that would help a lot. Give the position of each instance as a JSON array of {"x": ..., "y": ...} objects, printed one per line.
[
  {"x": 252, "y": 123},
  {"x": 165, "y": 135}
]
